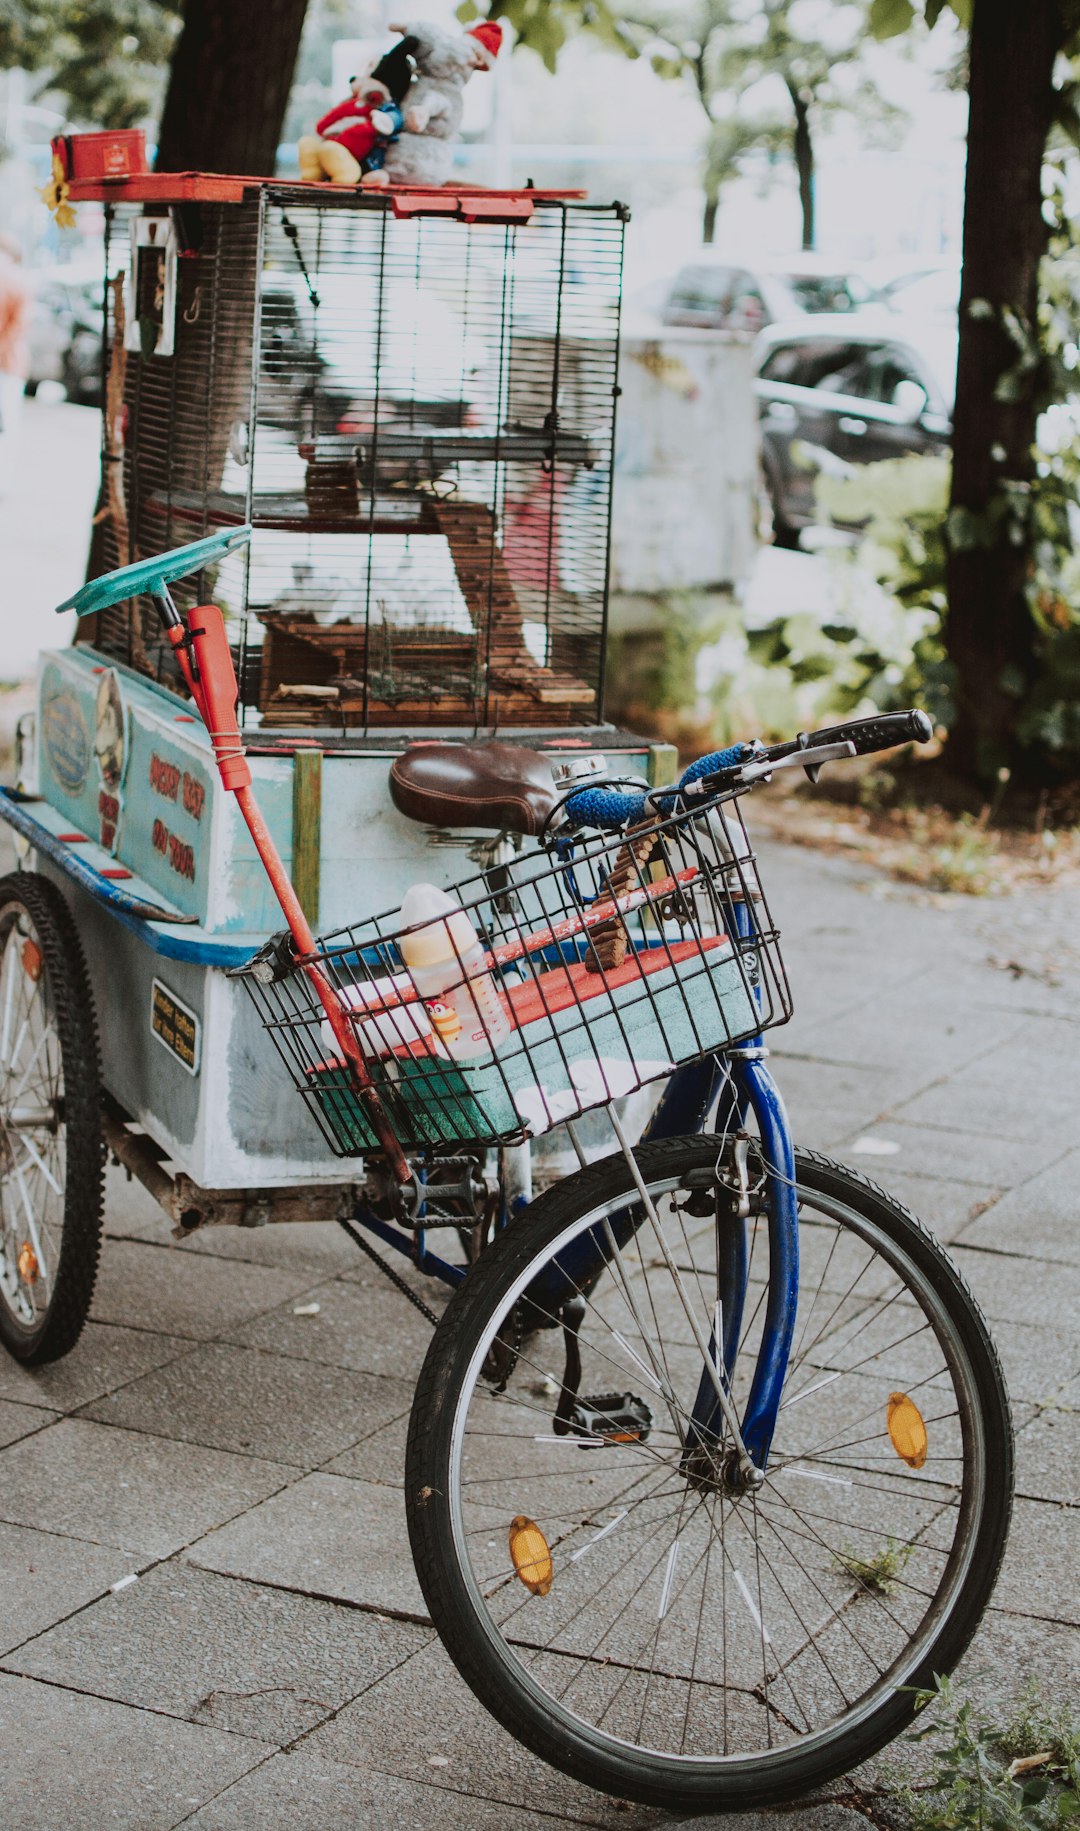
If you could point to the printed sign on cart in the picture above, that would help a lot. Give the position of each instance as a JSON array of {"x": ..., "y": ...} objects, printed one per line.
[
  {"x": 175, "y": 1025},
  {"x": 65, "y": 738},
  {"x": 111, "y": 748}
]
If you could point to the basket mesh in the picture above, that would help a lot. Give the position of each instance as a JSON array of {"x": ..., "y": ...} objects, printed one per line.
[{"x": 613, "y": 961}]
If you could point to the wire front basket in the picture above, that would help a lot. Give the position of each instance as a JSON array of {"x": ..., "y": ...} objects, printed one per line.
[{"x": 551, "y": 985}]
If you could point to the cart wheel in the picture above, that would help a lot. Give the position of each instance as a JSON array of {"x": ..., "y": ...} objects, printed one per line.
[{"x": 51, "y": 1154}]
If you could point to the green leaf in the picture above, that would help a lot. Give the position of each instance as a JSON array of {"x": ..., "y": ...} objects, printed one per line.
[
  {"x": 468, "y": 11},
  {"x": 888, "y": 18}
]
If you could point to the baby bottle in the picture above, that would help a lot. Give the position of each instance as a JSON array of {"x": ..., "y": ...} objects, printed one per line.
[{"x": 445, "y": 957}]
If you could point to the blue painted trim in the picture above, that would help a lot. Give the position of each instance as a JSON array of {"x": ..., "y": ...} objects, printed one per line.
[{"x": 131, "y": 912}]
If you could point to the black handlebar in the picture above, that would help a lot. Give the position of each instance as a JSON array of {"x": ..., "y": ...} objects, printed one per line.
[{"x": 866, "y": 734}]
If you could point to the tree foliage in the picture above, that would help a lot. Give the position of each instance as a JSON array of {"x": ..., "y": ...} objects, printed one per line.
[
  {"x": 727, "y": 50},
  {"x": 107, "y": 59}
]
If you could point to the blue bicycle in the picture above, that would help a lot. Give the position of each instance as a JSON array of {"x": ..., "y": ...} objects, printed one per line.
[
  {"x": 710, "y": 1461},
  {"x": 709, "y": 1466}
]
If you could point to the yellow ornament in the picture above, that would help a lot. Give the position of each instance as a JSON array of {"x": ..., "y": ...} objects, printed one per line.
[{"x": 55, "y": 196}]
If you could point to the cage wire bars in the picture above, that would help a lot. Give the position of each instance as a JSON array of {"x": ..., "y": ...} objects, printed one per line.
[{"x": 417, "y": 416}]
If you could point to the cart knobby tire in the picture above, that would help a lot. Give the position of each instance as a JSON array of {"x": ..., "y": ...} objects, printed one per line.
[
  {"x": 720, "y": 1784},
  {"x": 66, "y": 985}
]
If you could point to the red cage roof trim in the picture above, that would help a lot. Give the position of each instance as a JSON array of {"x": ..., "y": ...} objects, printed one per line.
[{"x": 472, "y": 203}]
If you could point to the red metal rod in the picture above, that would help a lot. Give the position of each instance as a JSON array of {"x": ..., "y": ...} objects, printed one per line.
[{"x": 215, "y": 694}]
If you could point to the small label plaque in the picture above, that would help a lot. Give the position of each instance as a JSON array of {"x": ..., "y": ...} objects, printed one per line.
[{"x": 176, "y": 1026}]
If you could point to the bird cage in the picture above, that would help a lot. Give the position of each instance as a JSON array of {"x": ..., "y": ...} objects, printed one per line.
[{"x": 411, "y": 398}]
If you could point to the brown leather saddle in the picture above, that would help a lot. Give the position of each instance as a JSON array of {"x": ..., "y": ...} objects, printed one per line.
[{"x": 499, "y": 787}]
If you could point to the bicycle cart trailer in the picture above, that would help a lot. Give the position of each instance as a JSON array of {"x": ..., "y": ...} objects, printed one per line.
[{"x": 709, "y": 1466}]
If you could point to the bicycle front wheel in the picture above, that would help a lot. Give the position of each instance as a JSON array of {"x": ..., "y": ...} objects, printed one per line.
[{"x": 630, "y": 1610}]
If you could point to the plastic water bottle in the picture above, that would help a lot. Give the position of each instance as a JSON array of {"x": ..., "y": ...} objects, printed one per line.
[{"x": 446, "y": 961}]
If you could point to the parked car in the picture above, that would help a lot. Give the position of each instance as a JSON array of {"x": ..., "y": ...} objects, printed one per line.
[
  {"x": 836, "y": 390},
  {"x": 714, "y": 292},
  {"x": 934, "y": 292},
  {"x": 65, "y": 333}
]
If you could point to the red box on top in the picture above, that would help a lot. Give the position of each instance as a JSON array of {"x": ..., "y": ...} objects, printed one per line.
[{"x": 116, "y": 154}]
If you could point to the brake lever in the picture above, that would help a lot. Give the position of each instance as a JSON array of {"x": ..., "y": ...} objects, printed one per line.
[{"x": 811, "y": 759}]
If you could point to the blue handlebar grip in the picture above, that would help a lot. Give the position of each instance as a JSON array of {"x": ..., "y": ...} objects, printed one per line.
[
  {"x": 716, "y": 760},
  {"x": 604, "y": 808},
  {"x": 607, "y": 809}
]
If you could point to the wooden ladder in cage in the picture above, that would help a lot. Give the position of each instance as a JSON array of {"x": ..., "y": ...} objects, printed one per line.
[{"x": 515, "y": 678}]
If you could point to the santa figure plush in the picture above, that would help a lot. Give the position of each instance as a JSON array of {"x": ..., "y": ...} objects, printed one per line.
[
  {"x": 422, "y": 153},
  {"x": 352, "y": 138}
]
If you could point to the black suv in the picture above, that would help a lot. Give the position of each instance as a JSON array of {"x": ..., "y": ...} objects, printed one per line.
[{"x": 835, "y": 390}]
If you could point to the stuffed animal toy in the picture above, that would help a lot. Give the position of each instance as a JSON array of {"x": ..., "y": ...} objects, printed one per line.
[
  {"x": 423, "y": 150},
  {"x": 352, "y": 138}
]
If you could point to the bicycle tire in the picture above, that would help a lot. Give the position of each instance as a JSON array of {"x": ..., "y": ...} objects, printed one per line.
[
  {"x": 52, "y": 1162},
  {"x": 862, "y": 1216}
]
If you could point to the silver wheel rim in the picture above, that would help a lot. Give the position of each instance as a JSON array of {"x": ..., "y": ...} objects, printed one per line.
[
  {"x": 32, "y": 1130},
  {"x": 944, "y": 1540}
]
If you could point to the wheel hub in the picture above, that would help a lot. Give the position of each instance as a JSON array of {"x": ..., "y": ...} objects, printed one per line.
[{"x": 715, "y": 1468}]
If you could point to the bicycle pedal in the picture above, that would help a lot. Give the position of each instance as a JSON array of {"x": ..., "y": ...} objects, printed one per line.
[{"x": 618, "y": 1417}]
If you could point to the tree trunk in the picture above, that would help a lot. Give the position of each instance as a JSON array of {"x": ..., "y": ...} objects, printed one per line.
[
  {"x": 229, "y": 85},
  {"x": 804, "y": 161},
  {"x": 708, "y": 220},
  {"x": 990, "y": 635}
]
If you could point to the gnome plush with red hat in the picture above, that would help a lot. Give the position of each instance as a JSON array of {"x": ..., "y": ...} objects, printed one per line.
[
  {"x": 351, "y": 139},
  {"x": 423, "y": 152}
]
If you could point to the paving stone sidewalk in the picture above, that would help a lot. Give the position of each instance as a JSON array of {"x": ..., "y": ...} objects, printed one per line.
[{"x": 208, "y": 1615}]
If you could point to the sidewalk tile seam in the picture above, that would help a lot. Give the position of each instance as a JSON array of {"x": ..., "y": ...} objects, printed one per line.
[
  {"x": 844, "y": 1140},
  {"x": 1002, "y": 1252},
  {"x": 540, "y": 1813},
  {"x": 139, "y": 1570},
  {"x": 301, "y": 1295},
  {"x": 177, "y": 1824},
  {"x": 77, "y": 1538},
  {"x": 1046, "y": 1017},
  {"x": 87, "y": 1412},
  {"x": 381, "y": 1611},
  {"x": 48, "y": 1420},
  {"x": 191, "y": 1345},
  {"x": 155, "y": 1436},
  {"x": 812, "y": 1059},
  {"x": 150, "y": 1710},
  {"x": 227, "y": 1340}
]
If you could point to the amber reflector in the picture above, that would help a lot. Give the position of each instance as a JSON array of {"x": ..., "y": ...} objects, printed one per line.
[
  {"x": 532, "y": 1558},
  {"x": 31, "y": 959},
  {"x": 28, "y": 1263},
  {"x": 907, "y": 1431}
]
